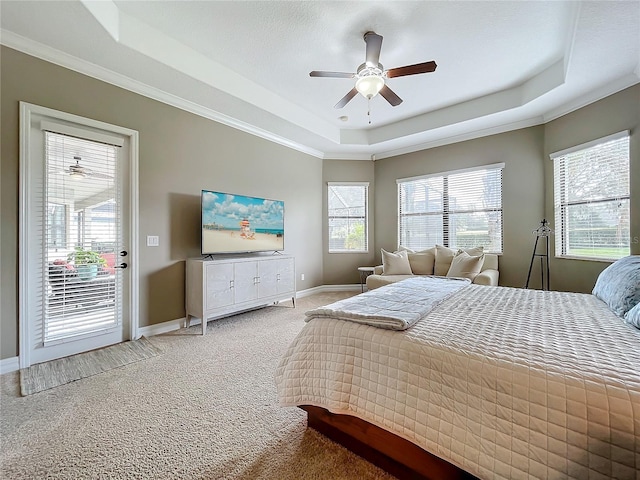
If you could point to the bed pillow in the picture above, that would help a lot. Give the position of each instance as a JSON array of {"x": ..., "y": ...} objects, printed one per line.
[
  {"x": 444, "y": 256},
  {"x": 396, "y": 263},
  {"x": 619, "y": 285},
  {"x": 465, "y": 266},
  {"x": 421, "y": 262},
  {"x": 633, "y": 316}
]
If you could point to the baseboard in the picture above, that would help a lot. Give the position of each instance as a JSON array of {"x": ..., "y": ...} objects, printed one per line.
[
  {"x": 12, "y": 364},
  {"x": 8, "y": 365},
  {"x": 171, "y": 325},
  {"x": 341, "y": 288},
  {"x": 165, "y": 327},
  {"x": 328, "y": 288}
]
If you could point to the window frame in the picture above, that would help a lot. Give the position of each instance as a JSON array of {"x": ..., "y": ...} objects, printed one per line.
[
  {"x": 447, "y": 211},
  {"x": 365, "y": 218},
  {"x": 561, "y": 205}
]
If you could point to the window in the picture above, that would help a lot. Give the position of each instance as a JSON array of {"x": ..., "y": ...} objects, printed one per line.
[
  {"x": 461, "y": 209},
  {"x": 591, "y": 199},
  {"x": 348, "y": 225}
]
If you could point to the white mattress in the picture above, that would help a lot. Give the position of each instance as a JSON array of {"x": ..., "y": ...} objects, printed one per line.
[{"x": 503, "y": 382}]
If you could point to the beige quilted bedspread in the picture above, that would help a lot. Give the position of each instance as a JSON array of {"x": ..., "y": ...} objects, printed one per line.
[{"x": 503, "y": 382}]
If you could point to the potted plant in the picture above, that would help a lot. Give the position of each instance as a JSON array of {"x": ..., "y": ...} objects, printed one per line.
[{"x": 86, "y": 262}]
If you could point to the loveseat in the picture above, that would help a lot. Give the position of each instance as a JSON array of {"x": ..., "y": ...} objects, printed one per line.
[{"x": 481, "y": 268}]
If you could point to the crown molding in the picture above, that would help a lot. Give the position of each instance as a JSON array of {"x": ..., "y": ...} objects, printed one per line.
[
  {"x": 479, "y": 133},
  {"x": 347, "y": 156},
  {"x": 52, "y": 55},
  {"x": 594, "y": 95},
  {"x": 57, "y": 57}
]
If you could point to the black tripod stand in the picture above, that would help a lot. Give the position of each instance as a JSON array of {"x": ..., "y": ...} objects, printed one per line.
[{"x": 543, "y": 231}]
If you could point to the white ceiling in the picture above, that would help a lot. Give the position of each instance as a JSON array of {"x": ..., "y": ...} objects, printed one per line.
[{"x": 501, "y": 64}]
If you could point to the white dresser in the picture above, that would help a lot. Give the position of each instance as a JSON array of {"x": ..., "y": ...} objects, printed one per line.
[{"x": 226, "y": 285}]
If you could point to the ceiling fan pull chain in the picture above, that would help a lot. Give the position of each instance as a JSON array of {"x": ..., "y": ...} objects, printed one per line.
[{"x": 369, "y": 109}]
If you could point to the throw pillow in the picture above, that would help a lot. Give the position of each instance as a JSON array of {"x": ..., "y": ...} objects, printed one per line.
[
  {"x": 633, "y": 316},
  {"x": 396, "y": 263},
  {"x": 444, "y": 256},
  {"x": 619, "y": 285},
  {"x": 421, "y": 262},
  {"x": 474, "y": 252},
  {"x": 465, "y": 266}
]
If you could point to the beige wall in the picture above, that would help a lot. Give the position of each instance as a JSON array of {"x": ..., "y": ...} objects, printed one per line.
[
  {"x": 342, "y": 268},
  {"x": 610, "y": 115},
  {"x": 523, "y": 191},
  {"x": 528, "y": 184},
  {"x": 180, "y": 153}
]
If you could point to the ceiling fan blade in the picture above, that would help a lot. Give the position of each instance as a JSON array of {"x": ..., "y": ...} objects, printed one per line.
[
  {"x": 103, "y": 176},
  {"x": 390, "y": 96},
  {"x": 426, "y": 67},
  {"x": 374, "y": 45},
  {"x": 347, "y": 98},
  {"x": 317, "y": 73}
]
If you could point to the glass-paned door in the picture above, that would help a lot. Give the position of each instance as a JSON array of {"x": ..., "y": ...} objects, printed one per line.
[
  {"x": 83, "y": 231},
  {"x": 77, "y": 229}
]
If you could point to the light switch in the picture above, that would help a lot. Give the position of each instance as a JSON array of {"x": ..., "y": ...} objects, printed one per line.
[{"x": 153, "y": 241}]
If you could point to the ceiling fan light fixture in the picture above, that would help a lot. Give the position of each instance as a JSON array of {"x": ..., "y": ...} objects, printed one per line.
[
  {"x": 77, "y": 175},
  {"x": 369, "y": 86},
  {"x": 370, "y": 76}
]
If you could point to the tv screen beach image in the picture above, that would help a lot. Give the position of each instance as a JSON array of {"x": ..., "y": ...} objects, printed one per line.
[{"x": 238, "y": 223}]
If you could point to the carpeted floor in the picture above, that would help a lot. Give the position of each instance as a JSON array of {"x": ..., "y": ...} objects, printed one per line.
[{"x": 205, "y": 408}]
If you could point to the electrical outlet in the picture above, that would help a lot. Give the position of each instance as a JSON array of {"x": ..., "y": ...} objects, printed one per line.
[
  {"x": 153, "y": 241},
  {"x": 302, "y": 276}
]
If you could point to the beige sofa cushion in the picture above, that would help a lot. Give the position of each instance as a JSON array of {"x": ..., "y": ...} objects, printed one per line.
[
  {"x": 465, "y": 266},
  {"x": 444, "y": 256},
  {"x": 490, "y": 262},
  {"x": 421, "y": 262},
  {"x": 395, "y": 263}
]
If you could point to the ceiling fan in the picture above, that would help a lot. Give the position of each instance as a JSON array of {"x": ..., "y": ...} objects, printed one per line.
[
  {"x": 370, "y": 76},
  {"x": 78, "y": 171}
]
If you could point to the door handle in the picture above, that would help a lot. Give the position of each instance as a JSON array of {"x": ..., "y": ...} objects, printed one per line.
[
  {"x": 122, "y": 265},
  {"x": 123, "y": 253}
]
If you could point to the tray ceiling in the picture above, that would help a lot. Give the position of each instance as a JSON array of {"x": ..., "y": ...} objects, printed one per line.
[{"x": 501, "y": 65}]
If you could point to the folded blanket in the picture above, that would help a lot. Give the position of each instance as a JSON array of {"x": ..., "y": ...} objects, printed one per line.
[{"x": 397, "y": 306}]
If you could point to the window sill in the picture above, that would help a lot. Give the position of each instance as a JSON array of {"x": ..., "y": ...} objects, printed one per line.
[
  {"x": 587, "y": 259},
  {"x": 348, "y": 251}
]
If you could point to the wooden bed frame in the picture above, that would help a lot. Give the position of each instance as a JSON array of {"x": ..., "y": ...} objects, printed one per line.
[{"x": 388, "y": 451}]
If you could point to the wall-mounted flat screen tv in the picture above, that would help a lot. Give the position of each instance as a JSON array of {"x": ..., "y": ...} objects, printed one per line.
[{"x": 239, "y": 223}]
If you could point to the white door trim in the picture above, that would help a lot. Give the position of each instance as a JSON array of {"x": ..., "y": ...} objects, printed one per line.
[{"x": 26, "y": 111}]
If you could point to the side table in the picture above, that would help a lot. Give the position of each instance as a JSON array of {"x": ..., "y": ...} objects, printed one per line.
[{"x": 364, "y": 273}]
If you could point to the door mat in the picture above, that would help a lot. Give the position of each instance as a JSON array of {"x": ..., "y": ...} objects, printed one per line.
[{"x": 44, "y": 376}]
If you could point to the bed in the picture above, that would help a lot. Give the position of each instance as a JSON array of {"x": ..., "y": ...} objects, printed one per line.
[{"x": 492, "y": 382}]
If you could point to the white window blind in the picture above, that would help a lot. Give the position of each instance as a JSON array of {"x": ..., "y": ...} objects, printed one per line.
[
  {"x": 460, "y": 209},
  {"x": 347, "y": 209},
  {"x": 591, "y": 199},
  {"x": 81, "y": 237}
]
